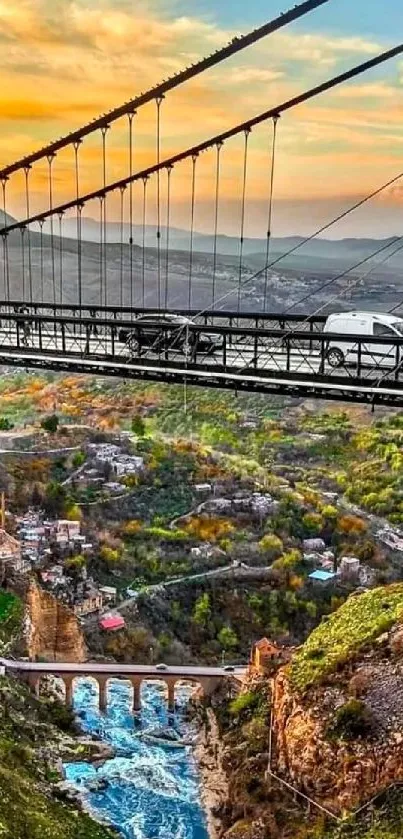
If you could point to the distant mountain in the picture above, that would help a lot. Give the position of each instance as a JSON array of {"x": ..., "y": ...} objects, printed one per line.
[
  {"x": 299, "y": 282},
  {"x": 179, "y": 239}
]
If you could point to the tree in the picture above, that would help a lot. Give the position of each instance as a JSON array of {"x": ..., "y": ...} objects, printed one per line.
[
  {"x": 50, "y": 424},
  {"x": 109, "y": 555},
  {"x": 202, "y": 610},
  {"x": 73, "y": 513},
  {"x": 55, "y": 499},
  {"x": 228, "y": 638},
  {"x": 5, "y": 424},
  {"x": 271, "y": 545},
  {"x": 138, "y": 426},
  {"x": 78, "y": 459},
  {"x": 313, "y": 524}
]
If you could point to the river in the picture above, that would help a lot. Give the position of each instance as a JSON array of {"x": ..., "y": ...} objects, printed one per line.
[{"x": 153, "y": 790}]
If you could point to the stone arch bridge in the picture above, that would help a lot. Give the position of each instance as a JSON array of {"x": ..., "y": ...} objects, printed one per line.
[{"x": 209, "y": 678}]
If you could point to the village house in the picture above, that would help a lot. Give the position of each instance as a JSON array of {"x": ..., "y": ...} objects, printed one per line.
[
  {"x": 111, "y": 623},
  {"x": 68, "y": 530},
  {"x": 349, "y": 569},
  {"x": 265, "y": 657},
  {"x": 313, "y": 545},
  {"x": 127, "y": 464},
  {"x": 91, "y": 602},
  {"x": 322, "y": 578},
  {"x": 202, "y": 489},
  {"x": 206, "y": 550},
  {"x": 391, "y": 538},
  {"x": 109, "y": 593}
]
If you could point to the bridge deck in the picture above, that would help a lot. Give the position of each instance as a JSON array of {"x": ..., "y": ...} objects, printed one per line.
[{"x": 264, "y": 353}]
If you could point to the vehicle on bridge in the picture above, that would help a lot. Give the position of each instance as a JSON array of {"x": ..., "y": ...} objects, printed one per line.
[
  {"x": 358, "y": 324},
  {"x": 159, "y": 332}
]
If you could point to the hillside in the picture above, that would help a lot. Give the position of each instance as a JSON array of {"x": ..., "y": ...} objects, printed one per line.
[
  {"x": 34, "y": 737},
  {"x": 30, "y": 743},
  {"x": 338, "y": 742}
]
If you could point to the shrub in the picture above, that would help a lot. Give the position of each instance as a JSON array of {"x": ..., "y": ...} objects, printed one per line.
[
  {"x": 244, "y": 702},
  {"x": 353, "y": 719},
  {"x": 50, "y": 423}
]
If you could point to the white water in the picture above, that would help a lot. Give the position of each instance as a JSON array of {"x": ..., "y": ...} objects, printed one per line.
[{"x": 153, "y": 789}]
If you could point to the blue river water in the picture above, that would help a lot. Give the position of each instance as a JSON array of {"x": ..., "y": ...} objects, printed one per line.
[{"x": 152, "y": 789}]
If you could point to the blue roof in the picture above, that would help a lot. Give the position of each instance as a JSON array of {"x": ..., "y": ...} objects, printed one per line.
[{"x": 323, "y": 576}]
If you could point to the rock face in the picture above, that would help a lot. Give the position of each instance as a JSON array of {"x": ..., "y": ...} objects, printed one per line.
[
  {"x": 52, "y": 630},
  {"x": 338, "y": 774}
]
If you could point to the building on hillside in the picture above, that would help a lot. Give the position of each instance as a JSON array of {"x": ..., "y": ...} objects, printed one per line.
[
  {"x": 103, "y": 452},
  {"x": 265, "y": 656},
  {"x": 109, "y": 593},
  {"x": 11, "y": 560},
  {"x": 127, "y": 464},
  {"x": 349, "y": 569},
  {"x": 313, "y": 545},
  {"x": 111, "y": 623},
  {"x": 202, "y": 489},
  {"x": 67, "y": 530},
  {"x": 91, "y": 602},
  {"x": 322, "y": 578}
]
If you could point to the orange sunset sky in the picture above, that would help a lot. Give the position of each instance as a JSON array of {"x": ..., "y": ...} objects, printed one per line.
[{"x": 66, "y": 61}]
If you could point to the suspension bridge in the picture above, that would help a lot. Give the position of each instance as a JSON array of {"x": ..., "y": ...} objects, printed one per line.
[{"x": 133, "y": 304}]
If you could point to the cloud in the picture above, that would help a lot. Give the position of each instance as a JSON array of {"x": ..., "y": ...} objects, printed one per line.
[{"x": 96, "y": 55}]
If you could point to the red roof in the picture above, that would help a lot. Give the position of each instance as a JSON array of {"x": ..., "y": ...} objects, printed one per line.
[{"x": 112, "y": 622}]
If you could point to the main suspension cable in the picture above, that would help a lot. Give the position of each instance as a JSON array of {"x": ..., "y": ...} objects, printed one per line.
[
  {"x": 270, "y": 208},
  {"x": 216, "y": 206},
  {"x": 238, "y": 129},
  {"x": 192, "y": 218},
  {"x": 243, "y": 202}
]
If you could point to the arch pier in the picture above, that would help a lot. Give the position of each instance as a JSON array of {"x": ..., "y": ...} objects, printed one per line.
[{"x": 207, "y": 683}]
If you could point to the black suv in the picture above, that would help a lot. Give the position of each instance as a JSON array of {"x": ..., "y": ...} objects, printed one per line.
[{"x": 161, "y": 332}]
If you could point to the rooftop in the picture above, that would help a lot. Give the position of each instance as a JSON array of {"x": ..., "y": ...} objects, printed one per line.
[
  {"x": 322, "y": 576},
  {"x": 112, "y": 622}
]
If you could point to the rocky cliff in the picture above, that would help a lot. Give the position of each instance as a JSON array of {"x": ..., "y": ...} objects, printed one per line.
[
  {"x": 337, "y": 773},
  {"x": 52, "y": 630},
  {"x": 337, "y": 723},
  {"x": 338, "y": 708}
]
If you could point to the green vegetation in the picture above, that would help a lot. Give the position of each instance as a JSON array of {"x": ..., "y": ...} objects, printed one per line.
[
  {"x": 5, "y": 424},
  {"x": 10, "y": 615},
  {"x": 359, "y": 621},
  {"x": 50, "y": 423},
  {"x": 27, "y": 808},
  {"x": 384, "y": 821},
  {"x": 351, "y": 720},
  {"x": 247, "y": 701}
]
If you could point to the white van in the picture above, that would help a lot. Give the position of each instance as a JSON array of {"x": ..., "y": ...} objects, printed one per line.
[{"x": 363, "y": 323}]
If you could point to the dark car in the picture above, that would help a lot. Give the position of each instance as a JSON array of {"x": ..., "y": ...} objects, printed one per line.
[{"x": 161, "y": 332}]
